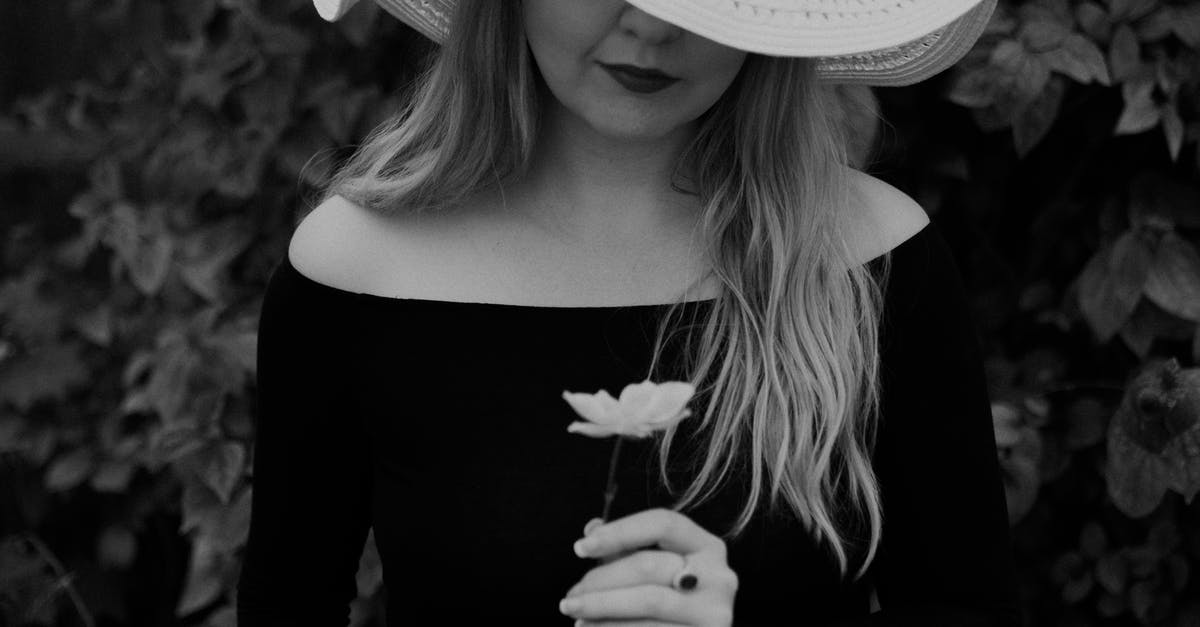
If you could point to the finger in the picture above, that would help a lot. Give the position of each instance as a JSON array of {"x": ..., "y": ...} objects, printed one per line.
[
  {"x": 642, "y": 567},
  {"x": 648, "y": 601},
  {"x": 660, "y": 527},
  {"x": 592, "y": 524}
]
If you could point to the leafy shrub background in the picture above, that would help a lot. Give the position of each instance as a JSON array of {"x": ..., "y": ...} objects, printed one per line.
[{"x": 154, "y": 155}]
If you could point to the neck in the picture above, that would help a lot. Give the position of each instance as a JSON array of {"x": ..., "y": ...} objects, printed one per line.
[{"x": 602, "y": 190}]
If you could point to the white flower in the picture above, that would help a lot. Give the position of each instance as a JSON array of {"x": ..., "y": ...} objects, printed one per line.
[{"x": 643, "y": 408}]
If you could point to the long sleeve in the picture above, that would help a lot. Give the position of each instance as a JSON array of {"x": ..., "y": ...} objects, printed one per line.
[
  {"x": 311, "y": 506},
  {"x": 945, "y": 557}
]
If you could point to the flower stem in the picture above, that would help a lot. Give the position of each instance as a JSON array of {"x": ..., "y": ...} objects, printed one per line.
[{"x": 610, "y": 490}]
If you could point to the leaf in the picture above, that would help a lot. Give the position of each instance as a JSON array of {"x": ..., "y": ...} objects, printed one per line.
[
  {"x": 1140, "y": 112},
  {"x": 1129, "y": 10},
  {"x": 69, "y": 470},
  {"x": 1093, "y": 19},
  {"x": 116, "y": 547},
  {"x": 1129, "y": 265},
  {"x": 973, "y": 88},
  {"x": 1124, "y": 53},
  {"x": 1172, "y": 126},
  {"x": 1187, "y": 24},
  {"x": 112, "y": 476},
  {"x": 46, "y": 373},
  {"x": 96, "y": 325},
  {"x": 1078, "y": 58},
  {"x": 1099, "y": 302},
  {"x": 1157, "y": 25},
  {"x": 207, "y": 252},
  {"x": 1173, "y": 282},
  {"x": 1039, "y": 35},
  {"x": 1035, "y": 119},
  {"x": 203, "y": 583},
  {"x": 25, "y": 312},
  {"x": 221, "y": 466},
  {"x": 1112, "y": 572},
  {"x": 1076, "y": 589},
  {"x": 167, "y": 389}
]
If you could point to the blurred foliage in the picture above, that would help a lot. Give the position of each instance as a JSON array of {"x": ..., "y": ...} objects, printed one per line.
[{"x": 147, "y": 197}]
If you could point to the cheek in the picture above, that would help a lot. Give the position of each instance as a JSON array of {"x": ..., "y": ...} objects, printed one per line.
[{"x": 719, "y": 68}]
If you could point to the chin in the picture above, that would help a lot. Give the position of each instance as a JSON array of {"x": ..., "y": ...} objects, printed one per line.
[{"x": 632, "y": 127}]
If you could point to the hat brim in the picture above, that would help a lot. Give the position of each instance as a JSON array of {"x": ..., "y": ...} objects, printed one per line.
[{"x": 884, "y": 42}]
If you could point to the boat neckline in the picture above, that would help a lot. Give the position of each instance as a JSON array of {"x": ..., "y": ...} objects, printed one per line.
[{"x": 287, "y": 265}]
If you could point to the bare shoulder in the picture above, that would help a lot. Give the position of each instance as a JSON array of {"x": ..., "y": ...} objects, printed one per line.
[
  {"x": 344, "y": 245},
  {"x": 890, "y": 216}
]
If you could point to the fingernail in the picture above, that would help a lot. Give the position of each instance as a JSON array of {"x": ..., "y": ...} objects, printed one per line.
[
  {"x": 592, "y": 524},
  {"x": 584, "y": 545},
  {"x": 566, "y": 606},
  {"x": 578, "y": 622}
]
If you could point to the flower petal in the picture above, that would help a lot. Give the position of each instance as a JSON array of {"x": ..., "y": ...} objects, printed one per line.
[
  {"x": 588, "y": 406},
  {"x": 590, "y": 430},
  {"x": 638, "y": 398},
  {"x": 667, "y": 401}
]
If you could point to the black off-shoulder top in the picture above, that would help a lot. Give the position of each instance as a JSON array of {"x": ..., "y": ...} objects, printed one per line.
[{"x": 440, "y": 424}]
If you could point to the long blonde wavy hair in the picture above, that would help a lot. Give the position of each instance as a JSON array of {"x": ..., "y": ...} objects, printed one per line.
[{"x": 793, "y": 336}]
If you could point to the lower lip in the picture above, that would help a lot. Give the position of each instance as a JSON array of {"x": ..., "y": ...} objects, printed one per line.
[{"x": 640, "y": 84}]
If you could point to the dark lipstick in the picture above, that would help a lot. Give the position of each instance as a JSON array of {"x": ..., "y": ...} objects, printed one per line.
[{"x": 640, "y": 80}]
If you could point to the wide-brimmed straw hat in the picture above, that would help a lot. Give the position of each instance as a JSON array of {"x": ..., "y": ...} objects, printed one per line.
[{"x": 873, "y": 42}]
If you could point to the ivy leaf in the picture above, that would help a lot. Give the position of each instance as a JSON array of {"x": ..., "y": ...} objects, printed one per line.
[
  {"x": 1156, "y": 25},
  {"x": 1124, "y": 53},
  {"x": 1112, "y": 571},
  {"x": 1035, "y": 119},
  {"x": 142, "y": 245},
  {"x": 1099, "y": 298},
  {"x": 112, "y": 476},
  {"x": 1041, "y": 34},
  {"x": 1129, "y": 10},
  {"x": 1140, "y": 112},
  {"x": 1079, "y": 58},
  {"x": 96, "y": 325},
  {"x": 49, "y": 372},
  {"x": 974, "y": 88},
  {"x": 1187, "y": 24},
  {"x": 1173, "y": 282},
  {"x": 1172, "y": 126},
  {"x": 219, "y": 466},
  {"x": 207, "y": 253},
  {"x": 25, "y": 312},
  {"x": 69, "y": 470},
  {"x": 117, "y": 547},
  {"x": 1154, "y": 438},
  {"x": 204, "y": 583},
  {"x": 1093, "y": 19}
]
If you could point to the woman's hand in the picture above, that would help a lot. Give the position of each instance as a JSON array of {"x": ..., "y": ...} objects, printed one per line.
[{"x": 637, "y": 583}]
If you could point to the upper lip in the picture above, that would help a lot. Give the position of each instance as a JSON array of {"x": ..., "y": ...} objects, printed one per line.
[{"x": 641, "y": 72}]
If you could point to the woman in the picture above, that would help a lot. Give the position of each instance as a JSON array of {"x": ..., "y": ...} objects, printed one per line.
[{"x": 569, "y": 177}]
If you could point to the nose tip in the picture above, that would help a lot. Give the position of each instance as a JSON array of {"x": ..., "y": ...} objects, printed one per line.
[{"x": 647, "y": 27}]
